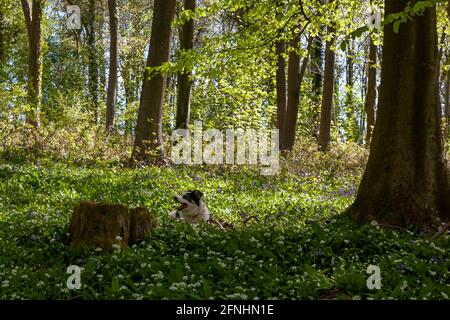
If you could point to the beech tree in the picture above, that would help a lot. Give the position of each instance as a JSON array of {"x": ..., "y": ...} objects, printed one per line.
[
  {"x": 405, "y": 182},
  {"x": 113, "y": 65},
  {"x": 371, "y": 95},
  {"x": 33, "y": 22},
  {"x": 184, "y": 77},
  {"x": 328, "y": 93},
  {"x": 93, "y": 57},
  {"x": 148, "y": 140}
]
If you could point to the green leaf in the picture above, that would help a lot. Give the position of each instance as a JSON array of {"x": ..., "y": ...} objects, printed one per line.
[
  {"x": 115, "y": 284},
  {"x": 358, "y": 32},
  {"x": 396, "y": 26}
]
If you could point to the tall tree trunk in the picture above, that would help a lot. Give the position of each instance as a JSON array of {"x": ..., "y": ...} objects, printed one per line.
[
  {"x": 447, "y": 89},
  {"x": 295, "y": 78},
  {"x": 3, "y": 40},
  {"x": 113, "y": 61},
  {"x": 349, "y": 77},
  {"x": 184, "y": 78},
  {"x": 328, "y": 92},
  {"x": 33, "y": 21},
  {"x": 317, "y": 72},
  {"x": 280, "y": 49},
  {"x": 447, "y": 103},
  {"x": 405, "y": 182},
  {"x": 371, "y": 95},
  {"x": 93, "y": 68},
  {"x": 316, "y": 68},
  {"x": 149, "y": 123},
  {"x": 351, "y": 126}
]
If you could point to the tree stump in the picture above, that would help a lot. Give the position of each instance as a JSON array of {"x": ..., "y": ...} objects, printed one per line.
[
  {"x": 98, "y": 225},
  {"x": 141, "y": 222}
]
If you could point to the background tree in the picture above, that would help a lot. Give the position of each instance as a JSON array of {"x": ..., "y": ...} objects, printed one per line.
[
  {"x": 113, "y": 66},
  {"x": 93, "y": 58},
  {"x": 328, "y": 94},
  {"x": 371, "y": 96},
  {"x": 149, "y": 123},
  {"x": 184, "y": 77},
  {"x": 33, "y": 20}
]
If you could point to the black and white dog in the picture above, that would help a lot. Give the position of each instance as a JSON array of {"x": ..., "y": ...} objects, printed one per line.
[{"x": 192, "y": 208}]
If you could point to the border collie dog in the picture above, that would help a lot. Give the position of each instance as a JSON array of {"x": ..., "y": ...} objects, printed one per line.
[{"x": 192, "y": 208}]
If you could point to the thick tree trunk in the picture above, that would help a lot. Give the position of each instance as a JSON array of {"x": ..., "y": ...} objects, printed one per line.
[
  {"x": 33, "y": 21},
  {"x": 327, "y": 99},
  {"x": 113, "y": 61},
  {"x": 149, "y": 123},
  {"x": 293, "y": 94},
  {"x": 280, "y": 49},
  {"x": 184, "y": 78},
  {"x": 371, "y": 95},
  {"x": 405, "y": 181}
]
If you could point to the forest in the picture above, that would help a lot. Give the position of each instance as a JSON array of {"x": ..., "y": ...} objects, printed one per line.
[{"x": 224, "y": 149}]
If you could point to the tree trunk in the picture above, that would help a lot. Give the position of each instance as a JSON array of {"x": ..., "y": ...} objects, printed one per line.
[
  {"x": 316, "y": 68},
  {"x": 405, "y": 181},
  {"x": 113, "y": 60},
  {"x": 149, "y": 123},
  {"x": 317, "y": 76},
  {"x": 93, "y": 68},
  {"x": 280, "y": 49},
  {"x": 295, "y": 78},
  {"x": 33, "y": 21},
  {"x": 327, "y": 99},
  {"x": 371, "y": 95},
  {"x": 447, "y": 103},
  {"x": 184, "y": 78},
  {"x": 349, "y": 78}
]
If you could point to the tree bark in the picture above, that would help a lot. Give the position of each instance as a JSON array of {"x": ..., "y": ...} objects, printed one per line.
[
  {"x": 317, "y": 83},
  {"x": 316, "y": 64},
  {"x": 184, "y": 78},
  {"x": 351, "y": 121},
  {"x": 33, "y": 22},
  {"x": 113, "y": 61},
  {"x": 447, "y": 103},
  {"x": 405, "y": 182},
  {"x": 371, "y": 95},
  {"x": 280, "y": 49},
  {"x": 328, "y": 92},
  {"x": 349, "y": 78},
  {"x": 149, "y": 123},
  {"x": 97, "y": 225},
  {"x": 93, "y": 68},
  {"x": 295, "y": 78}
]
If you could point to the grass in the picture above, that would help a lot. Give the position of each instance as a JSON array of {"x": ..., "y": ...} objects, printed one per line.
[{"x": 298, "y": 246}]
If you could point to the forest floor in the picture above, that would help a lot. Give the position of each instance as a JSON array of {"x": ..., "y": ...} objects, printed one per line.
[{"x": 300, "y": 246}]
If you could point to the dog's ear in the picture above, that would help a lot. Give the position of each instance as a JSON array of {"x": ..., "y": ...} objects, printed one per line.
[{"x": 198, "y": 194}]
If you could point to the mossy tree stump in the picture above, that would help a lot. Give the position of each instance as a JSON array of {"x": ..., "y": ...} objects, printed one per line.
[
  {"x": 98, "y": 225},
  {"x": 141, "y": 222}
]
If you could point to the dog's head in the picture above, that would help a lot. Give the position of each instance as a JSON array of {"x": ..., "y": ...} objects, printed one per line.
[{"x": 190, "y": 202}]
